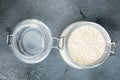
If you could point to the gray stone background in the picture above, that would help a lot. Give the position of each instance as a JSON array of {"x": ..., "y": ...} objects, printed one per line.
[{"x": 58, "y": 14}]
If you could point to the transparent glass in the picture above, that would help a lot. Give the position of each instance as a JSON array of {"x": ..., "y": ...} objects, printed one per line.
[
  {"x": 64, "y": 51},
  {"x": 31, "y": 41}
]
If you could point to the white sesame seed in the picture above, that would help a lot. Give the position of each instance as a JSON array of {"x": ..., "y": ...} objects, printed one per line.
[{"x": 86, "y": 45}]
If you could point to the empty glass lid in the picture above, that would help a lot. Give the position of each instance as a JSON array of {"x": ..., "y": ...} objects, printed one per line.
[{"x": 31, "y": 41}]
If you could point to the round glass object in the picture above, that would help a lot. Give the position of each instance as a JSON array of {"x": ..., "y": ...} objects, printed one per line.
[{"x": 31, "y": 41}]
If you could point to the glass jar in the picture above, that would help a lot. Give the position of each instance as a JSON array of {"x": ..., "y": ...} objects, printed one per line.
[
  {"x": 32, "y": 41},
  {"x": 110, "y": 48}
]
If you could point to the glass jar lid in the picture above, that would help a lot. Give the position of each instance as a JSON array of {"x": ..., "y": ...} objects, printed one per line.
[{"x": 31, "y": 41}]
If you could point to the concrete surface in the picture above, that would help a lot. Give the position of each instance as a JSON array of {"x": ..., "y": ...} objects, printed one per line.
[{"x": 58, "y": 14}]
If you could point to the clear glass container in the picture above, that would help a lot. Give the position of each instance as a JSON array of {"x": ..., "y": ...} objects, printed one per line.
[
  {"x": 109, "y": 49},
  {"x": 32, "y": 41}
]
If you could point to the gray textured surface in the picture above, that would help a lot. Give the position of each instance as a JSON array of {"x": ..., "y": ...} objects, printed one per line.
[{"x": 58, "y": 14}]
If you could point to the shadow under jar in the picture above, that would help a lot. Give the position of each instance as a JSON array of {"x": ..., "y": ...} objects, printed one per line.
[{"x": 32, "y": 41}]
